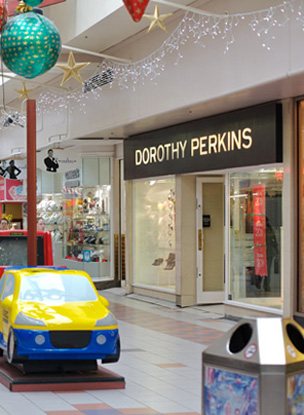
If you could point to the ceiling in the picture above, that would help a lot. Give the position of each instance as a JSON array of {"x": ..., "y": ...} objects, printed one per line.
[{"x": 103, "y": 35}]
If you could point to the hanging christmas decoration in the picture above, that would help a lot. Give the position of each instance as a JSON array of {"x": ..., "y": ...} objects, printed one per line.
[
  {"x": 33, "y": 3},
  {"x": 196, "y": 26},
  {"x": 136, "y": 8},
  {"x": 23, "y": 7},
  {"x": 71, "y": 69},
  {"x": 23, "y": 92},
  {"x": 3, "y": 14},
  {"x": 30, "y": 44},
  {"x": 157, "y": 19}
]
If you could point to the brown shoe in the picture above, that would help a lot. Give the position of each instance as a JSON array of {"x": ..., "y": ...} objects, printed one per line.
[{"x": 158, "y": 261}]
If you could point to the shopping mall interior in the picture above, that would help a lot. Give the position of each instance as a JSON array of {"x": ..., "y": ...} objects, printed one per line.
[{"x": 161, "y": 142}]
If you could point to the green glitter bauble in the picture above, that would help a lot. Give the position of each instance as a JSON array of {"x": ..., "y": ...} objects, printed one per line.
[
  {"x": 30, "y": 44},
  {"x": 33, "y": 3}
]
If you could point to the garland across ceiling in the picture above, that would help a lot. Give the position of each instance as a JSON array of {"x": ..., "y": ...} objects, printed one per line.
[
  {"x": 199, "y": 28},
  {"x": 195, "y": 26}
]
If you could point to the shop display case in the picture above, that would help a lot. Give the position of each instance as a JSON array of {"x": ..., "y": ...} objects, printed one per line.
[
  {"x": 51, "y": 210},
  {"x": 87, "y": 241},
  {"x": 154, "y": 230},
  {"x": 49, "y": 207}
]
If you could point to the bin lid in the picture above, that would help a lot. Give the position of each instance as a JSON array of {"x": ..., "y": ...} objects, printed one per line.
[{"x": 261, "y": 340}]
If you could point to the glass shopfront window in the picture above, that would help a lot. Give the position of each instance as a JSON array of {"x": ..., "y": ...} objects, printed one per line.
[
  {"x": 301, "y": 208},
  {"x": 256, "y": 232},
  {"x": 154, "y": 233}
]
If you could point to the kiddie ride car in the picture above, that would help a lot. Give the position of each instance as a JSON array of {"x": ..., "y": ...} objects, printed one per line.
[{"x": 53, "y": 317}]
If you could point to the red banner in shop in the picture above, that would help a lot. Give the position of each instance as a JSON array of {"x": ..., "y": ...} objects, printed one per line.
[
  {"x": 260, "y": 260},
  {"x": 258, "y": 193},
  {"x": 259, "y": 230},
  {"x": 14, "y": 190}
]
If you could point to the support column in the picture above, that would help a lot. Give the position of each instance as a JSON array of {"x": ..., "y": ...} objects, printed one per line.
[{"x": 31, "y": 183}]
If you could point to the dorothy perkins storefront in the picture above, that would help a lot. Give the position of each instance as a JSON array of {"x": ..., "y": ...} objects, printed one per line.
[{"x": 205, "y": 216}]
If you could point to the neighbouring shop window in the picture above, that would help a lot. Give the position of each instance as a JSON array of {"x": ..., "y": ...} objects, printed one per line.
[
  {"x": 154, "y": 233},
  {"x": 255, "y": 237},
  {"x": 301, "y": 208}
]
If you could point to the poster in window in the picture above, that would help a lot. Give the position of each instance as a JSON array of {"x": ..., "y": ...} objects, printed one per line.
[
  {"x": 259, "y": 230},
  {"x": 260, "y": 260},
  {"x": 258, "y": 199}
]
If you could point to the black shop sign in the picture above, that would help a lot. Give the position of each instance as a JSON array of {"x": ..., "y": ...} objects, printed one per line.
[{"x": 247, "y": 137}]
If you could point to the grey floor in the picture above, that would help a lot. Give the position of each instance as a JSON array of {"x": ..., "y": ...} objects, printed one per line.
[{"x": 161, "y": 359}]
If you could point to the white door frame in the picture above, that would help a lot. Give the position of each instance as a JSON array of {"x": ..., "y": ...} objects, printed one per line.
[{"x": 213, "y": 296}]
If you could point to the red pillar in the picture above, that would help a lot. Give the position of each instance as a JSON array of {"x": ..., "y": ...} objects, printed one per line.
[{"x": 31, "y": 183}]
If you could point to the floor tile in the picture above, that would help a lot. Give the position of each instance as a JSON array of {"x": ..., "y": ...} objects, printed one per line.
[
  {"x": 92, "y": 406},
  {"x": 64, "y": 413},
  {"x": 161, "y": 360},
  {"x": 137, "y": 411}
]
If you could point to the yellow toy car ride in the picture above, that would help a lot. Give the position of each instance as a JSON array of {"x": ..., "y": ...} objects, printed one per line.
[{"x": 55, "y": 313}]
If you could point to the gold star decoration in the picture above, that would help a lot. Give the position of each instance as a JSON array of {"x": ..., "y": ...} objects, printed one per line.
[
  {"x": 71, "y": 69},
  {"x": 23, "y": 92},
  {"x": 157, "y": 19}
]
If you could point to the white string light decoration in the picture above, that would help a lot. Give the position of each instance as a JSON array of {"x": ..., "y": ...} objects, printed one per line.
[{"x": 199, "y": 28}]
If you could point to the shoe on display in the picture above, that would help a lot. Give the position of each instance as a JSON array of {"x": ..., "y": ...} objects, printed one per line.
[
  {"x": 170, "y": 266},
  {"x": 158, "y": 261},
  {"x": 170, "y": 262}
]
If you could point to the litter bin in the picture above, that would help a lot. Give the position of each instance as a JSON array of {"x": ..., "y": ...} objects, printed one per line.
[{"x": 257, "y": 368}]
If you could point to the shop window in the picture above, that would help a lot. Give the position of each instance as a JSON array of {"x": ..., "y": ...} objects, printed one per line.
[
  {"x": 154, "y": 233},
  {"x": 301, "y": 208},
  {"x": 255, "y": 237}
]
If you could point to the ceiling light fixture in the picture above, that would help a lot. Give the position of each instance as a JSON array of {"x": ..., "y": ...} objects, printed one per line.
[{"x": 12, "y": 119}]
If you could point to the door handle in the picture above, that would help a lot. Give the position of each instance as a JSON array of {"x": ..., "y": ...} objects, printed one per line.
[{"x": 199, "y": 239}]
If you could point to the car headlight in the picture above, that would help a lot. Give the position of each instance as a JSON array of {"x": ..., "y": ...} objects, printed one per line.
[
  {"x": 23, "y": 320},
  {"x": 109, "y": 320},
  {"x": 40, "y": 339},
  {"x": 101, "y": 339}
]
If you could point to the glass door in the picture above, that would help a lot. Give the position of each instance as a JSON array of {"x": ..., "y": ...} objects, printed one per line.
[{"x": 256, "y": 237}]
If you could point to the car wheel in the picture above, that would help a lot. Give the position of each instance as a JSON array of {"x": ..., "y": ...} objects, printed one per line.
[{"x": 11, "y": 347}]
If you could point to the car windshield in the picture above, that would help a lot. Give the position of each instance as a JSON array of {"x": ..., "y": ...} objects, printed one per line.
[{"x": 50, "y": 287}]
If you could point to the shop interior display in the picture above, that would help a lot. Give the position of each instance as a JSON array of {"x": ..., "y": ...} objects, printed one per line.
[
  {"x": 167, "y": 216},
  {"x": 155, "y": 233},
  {"x": 256, "y": 235},
  {"x": 50, "y": 208},
  {"x": 87, "y": 219}
]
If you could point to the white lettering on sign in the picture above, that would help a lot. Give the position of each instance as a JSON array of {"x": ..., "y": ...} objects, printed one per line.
[
  {"x": 208, "y": 144},
  {"x": 216, "y": 143},
  {"x": 168, "y": 151}
]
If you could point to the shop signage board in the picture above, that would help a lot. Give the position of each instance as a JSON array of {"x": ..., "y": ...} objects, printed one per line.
[
  {"x": 54, "y": 160},
  {"x": 248, "y": 137},
  {"x": 13, "y": 180},
  {"x": 14, "y": 190}
]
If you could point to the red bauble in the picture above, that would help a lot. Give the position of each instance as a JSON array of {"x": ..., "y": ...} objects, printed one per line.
[
  {"x": 136, "y": 8},
  {"x": 3, "y": 14}
]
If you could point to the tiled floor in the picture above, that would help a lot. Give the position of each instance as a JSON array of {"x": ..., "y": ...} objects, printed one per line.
[{"x": 160, "y": 360}]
